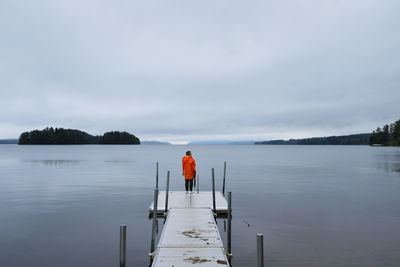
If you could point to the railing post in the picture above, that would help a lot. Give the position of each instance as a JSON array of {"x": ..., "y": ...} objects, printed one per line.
[
  {"x": 167, "y": 193},
  {"x": 229, "y": 234},
  {"x": 122, "y": 245},
  {"x": 198, "y": 179},
  {"x": 153, "y": 230},
  {"x": 213, "y": 190},
  {"x": 157, "y": 175},
  {"x": 260, "y": 250},
  {"x": 223, "y": 183}
]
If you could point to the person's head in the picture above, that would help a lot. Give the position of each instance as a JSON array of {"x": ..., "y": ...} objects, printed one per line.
[{"x": 188, "y": 153}]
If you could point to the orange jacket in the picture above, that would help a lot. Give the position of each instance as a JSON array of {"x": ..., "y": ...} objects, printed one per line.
[{"x": 188, "y": 167}]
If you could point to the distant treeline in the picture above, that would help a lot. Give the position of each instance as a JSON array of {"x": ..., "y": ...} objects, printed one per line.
[
  {"x": 8, "y": 141},
  {"x": 388, "y": 135},
  {"x": 354, "y": 139},
  {"x": 60, "y": 136}
]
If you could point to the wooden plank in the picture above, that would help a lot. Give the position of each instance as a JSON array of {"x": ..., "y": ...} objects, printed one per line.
[{"x": 180, "y": 199}]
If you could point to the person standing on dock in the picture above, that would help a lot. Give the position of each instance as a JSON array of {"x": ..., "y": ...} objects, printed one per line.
[{"x": 189, "y": 170}]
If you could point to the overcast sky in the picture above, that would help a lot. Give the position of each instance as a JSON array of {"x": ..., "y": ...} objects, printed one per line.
[{"x": 200, "y": 70}]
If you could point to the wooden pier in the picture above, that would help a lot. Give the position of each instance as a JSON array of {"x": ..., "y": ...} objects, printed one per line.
[{"x": 190, "y": 235}]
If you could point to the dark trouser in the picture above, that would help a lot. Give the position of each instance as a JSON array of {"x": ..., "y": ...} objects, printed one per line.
[{"x": 189, "y": 183}]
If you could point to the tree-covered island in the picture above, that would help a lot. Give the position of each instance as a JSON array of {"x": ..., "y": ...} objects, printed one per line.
[
  {"x": 61, "y": 136},
  {"x": 388, "y": 135}
]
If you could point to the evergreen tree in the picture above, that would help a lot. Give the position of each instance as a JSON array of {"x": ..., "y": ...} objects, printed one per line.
[
  {"x": 396, "y": 132},
  {"x": 385, "y": 134},
  {"x": 389, "y": 135}
]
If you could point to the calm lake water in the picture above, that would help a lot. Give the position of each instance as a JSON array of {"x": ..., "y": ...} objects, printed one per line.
[{"x": 315, "y": 205}]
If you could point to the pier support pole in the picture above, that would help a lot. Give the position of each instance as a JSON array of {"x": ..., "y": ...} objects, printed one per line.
[
  {"x": 167, "y": 193},
  {"x": 157, "y": 175},
  {"x": 223, "y": 183},
  {"x": 213, "y": 190},
  {"x": 122, "y": 245},
  {"x": 229, "y": 234},
  {"x": 260, "y": 250},
  {"x": 153, "y": 230},
  {"x": 198, "y": 179}
]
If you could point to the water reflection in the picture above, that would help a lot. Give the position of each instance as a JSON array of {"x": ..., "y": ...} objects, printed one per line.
[
  {"x": 390, "y": 167},
  {"x": 118, "y": 161},
  {"x": 54, "y": 162},
  {"x": 389, "y": 161}
]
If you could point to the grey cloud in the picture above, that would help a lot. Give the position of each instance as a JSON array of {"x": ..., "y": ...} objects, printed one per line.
[{"x": 182, "y": 70}]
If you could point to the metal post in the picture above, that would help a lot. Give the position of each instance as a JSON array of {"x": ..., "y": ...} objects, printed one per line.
[
  {"x": 213, "y": 190},
  {"x": 198, "y": 179},
  {"x": 229, "y": 234},
  {"x": 157, "y": 175},
  {"x": 223, "y": 183},
  {"x": 153, "y": 230},
  {"x": 167, "y": 193},
  {"x": 260, "y": 250},
  {"x": 122, "y": 245},
  {"x": 156, "y": 227}
]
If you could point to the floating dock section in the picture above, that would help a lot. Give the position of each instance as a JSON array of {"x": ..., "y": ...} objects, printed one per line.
[
  {"x": 190, "y": 235},
  {"x": 181, "y": 199}
]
